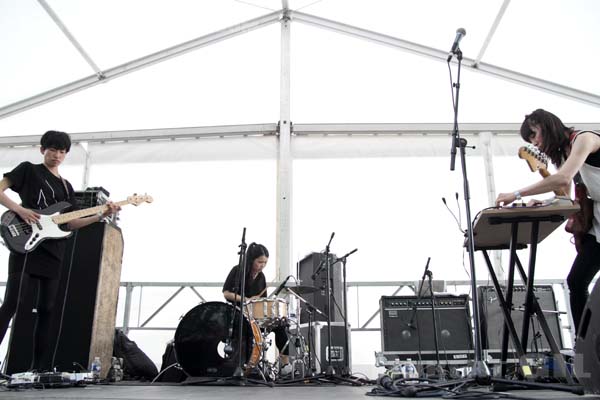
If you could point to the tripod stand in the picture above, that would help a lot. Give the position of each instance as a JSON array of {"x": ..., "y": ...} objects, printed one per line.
[
  {"x": 427, "y": 274},
  {"x": 239, "y": 377}
]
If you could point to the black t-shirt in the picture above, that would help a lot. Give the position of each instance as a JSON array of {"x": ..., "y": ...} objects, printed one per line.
[
  {"x": 38, "y": 189},
  {"x": 253, "y": 286}
]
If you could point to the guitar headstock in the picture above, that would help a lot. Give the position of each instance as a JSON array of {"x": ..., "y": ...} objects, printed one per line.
[
  {"x": 536, "y": 160},
  {"x": 138, "y": 199}
]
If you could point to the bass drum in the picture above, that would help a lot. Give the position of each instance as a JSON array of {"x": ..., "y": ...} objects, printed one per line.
[{"x": 201, "y": 336}]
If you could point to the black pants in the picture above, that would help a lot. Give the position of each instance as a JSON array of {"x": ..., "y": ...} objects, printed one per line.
[
  {"x": 281, "y": 339},
  {"x": 585, "y": 267},
  {"x": 17, "y": 286}
]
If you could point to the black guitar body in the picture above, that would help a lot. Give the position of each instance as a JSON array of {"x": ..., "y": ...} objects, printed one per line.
[{"x": 21, "y": 237}]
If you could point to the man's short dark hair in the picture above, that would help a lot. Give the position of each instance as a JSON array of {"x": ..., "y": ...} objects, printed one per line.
[{"x": 56, "y": 140}]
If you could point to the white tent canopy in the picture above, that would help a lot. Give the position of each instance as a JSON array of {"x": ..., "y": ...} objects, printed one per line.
[
  {"x": 294, "y": 118},
  {"x": 115, "y": 71}
]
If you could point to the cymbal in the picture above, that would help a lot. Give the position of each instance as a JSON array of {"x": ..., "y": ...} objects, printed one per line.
[{"x": 301, "y": 289}]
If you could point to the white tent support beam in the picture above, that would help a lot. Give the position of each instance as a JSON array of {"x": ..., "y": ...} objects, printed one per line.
[
  {"x": 284, "y": 160},
  {"x": 151, "y": 134},
  {"x": 69, "y": 36},
  {"x": 491, "y": 33},
  {"x": 87, "y": 165},
  {"x": 270, "y": 129},
  {"x": 139, "y": 63},
  {"x": 439, "y": 55},
  {"x": 486, "y": 142}
]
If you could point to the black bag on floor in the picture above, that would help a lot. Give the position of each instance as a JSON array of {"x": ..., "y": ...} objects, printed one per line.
[
  {"x": 170, "y": 371},
  {"x": 136, "y": 364}
]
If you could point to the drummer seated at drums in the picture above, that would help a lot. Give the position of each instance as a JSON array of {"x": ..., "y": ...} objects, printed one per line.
[{"x": 255, "y": 289}]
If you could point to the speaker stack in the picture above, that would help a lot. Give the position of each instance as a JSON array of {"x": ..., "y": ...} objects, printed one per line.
[
  {"x": 407, "y": 329},
  {"x": 492, "y": 320},
  {"x": 306, "y": 268},
  {"x": 89, "y": 286},
  {"x": 587, "y": 346}
]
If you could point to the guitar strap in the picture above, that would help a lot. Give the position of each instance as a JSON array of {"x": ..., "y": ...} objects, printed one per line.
[{"x": 66, "y": 188}]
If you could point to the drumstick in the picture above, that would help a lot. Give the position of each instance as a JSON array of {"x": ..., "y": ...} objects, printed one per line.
[{"x": 261, "y": 293}]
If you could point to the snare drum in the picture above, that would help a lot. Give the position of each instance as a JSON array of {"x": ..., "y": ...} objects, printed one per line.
[{"x": 267, "y": 312}]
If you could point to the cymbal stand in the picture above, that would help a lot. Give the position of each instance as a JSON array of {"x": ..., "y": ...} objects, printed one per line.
[{"x": 310, "y": 310}]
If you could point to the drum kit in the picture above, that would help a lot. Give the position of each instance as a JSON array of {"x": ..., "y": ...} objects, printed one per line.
[{"x": 204, "y": 332}]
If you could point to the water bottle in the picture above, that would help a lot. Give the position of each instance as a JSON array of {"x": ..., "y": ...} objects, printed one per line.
[
  {"x": 410, "y": 371},
  {"x": 96, "y": 368}
]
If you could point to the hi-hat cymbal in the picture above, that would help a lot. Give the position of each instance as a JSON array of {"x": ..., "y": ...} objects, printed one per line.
[{"x": 301, "y": 289}]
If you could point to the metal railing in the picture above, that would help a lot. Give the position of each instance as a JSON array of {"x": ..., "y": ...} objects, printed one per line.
[{"x": 356, "y": 308}]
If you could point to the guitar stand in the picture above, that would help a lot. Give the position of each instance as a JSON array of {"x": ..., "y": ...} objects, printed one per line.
[{"x": 513, "y": 229}]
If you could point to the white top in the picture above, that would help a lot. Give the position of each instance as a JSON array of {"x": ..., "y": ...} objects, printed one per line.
[{"x": 591, "y": 178}]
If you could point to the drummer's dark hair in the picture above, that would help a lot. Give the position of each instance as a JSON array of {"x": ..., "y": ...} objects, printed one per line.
[{"x": 255, "y": 250}]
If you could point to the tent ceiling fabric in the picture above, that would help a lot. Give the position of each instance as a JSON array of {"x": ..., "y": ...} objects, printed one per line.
[{"x": 501, "y": 28}]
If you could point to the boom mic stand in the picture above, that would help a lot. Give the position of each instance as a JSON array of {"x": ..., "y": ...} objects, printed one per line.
[
  {"x": 345, "y": 305},
  {"x": 480, "y": 370},
  {"x": 238, "y": 376},
  {"x": 239, "y": 371},
  {"x": 480, "y": 373},
  {"x": 330, "y": 369}
]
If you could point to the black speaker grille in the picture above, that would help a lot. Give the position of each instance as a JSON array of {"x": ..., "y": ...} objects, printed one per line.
[{"x": 407, "y": 326}]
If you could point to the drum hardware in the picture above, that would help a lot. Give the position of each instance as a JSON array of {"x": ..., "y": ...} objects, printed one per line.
[
  {"x": 301, "y": 289},
  {"x": 330, "y": 376}
]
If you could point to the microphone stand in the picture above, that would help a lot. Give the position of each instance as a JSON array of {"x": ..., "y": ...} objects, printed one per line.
[
  {"x": 345, "y": 316},
  {"x": 439, "y": 369},
  {"x": 330, "y": 369},
  {"x": 480, "y": 370},
  {"x": 239, "y": 371}
]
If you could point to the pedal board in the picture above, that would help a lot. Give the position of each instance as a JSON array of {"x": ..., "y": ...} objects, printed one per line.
[{"x": 50, "y": 379}]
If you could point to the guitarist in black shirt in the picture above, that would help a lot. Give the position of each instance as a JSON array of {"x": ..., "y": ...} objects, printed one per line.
[{"x": 39, "y": 186}]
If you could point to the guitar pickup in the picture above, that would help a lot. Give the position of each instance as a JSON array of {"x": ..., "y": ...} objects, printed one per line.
[{"x": 14, "y": 232}]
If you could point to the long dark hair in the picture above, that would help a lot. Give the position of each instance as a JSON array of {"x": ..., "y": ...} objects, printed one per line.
[
  {"x": 555, "y": 134},
  {"x": 255, "y": 250}
]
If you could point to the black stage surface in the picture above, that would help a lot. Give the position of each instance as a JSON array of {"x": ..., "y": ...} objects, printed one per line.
[{"x": 130, "y": 391}]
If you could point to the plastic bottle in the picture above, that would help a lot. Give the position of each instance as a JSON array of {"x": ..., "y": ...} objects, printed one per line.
[
  {"x": 410, "y": 371},
  {"x": 96, "y": 368}
]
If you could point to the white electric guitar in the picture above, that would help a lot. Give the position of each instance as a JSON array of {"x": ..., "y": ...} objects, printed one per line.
[{"x": 22, "y": 237}]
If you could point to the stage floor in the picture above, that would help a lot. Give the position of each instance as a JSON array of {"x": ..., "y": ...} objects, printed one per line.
[{"x": 162, "y": 391}]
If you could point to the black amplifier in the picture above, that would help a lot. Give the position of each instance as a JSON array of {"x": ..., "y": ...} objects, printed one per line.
[
  {"x": 91, "y": 197},
  {"x": 407, "y": 328}
]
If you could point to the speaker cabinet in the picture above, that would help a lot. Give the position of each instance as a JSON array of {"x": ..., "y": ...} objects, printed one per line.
[
  {"x": 492, "y": 319},
  {"x": 407, "y": 328},
  {"x": 318, "y": 344},
  {"x": 587, "y": 347},
  {"x": 306, "y": 268},
  {"x": 89, "y": 288}
]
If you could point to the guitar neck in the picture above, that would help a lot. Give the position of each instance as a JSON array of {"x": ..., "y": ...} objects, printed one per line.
[{"x": 70, "y": 216}]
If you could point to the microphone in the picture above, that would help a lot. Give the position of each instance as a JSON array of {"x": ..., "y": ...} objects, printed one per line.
[
  {"x": 280, "y": 287},
  {"x": 228, "y": 349},
  {"x": 460, "y": 33}
]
